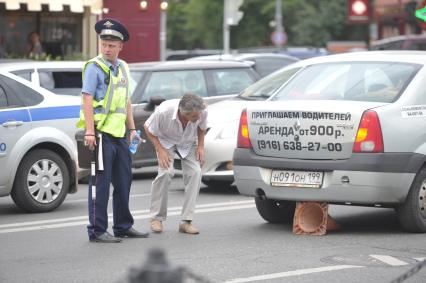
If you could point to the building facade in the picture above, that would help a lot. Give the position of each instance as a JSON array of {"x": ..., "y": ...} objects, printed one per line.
[
  {"x": 66, "y": 27},
  {"x": 143, "y": 23}
]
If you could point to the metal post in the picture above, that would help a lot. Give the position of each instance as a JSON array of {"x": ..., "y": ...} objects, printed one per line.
[
  {"x": 279, "y": 19},
  {"x": 226, "y": 28},
  {"x": 163, "y": 34}
]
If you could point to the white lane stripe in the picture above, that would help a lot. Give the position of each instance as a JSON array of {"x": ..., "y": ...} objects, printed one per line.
[
  {"x": 76, "y": 218},
  {"x": 292, "y": 273},
  {"x": 131, "y": 196},
  {"x": 420, "y": 258},
  {"x": 145, "y": 216},
  {"x": 393, "y": 261}
]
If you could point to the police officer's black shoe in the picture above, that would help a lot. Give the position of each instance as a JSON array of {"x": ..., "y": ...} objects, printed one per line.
[
  {"x": 106, "y": 238},
  {"x": 132, "y": 233}
]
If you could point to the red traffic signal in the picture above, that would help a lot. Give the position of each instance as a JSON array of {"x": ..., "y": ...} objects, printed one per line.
[{"x": 358, "y": 11}]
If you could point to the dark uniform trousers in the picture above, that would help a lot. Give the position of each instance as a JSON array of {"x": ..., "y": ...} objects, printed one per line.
[{"x": 117, "y": 169}]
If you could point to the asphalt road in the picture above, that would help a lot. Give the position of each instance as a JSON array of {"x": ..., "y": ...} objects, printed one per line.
[{"x": 235, "y": 244}]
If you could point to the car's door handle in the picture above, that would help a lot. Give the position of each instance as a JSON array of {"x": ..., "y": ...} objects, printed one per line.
[{"x": 12, "y": 123}]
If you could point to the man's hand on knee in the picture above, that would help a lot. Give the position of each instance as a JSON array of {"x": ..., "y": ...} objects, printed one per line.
[
  {"x": 200, "y": 155},
  {"x": 163, "y": 158}
]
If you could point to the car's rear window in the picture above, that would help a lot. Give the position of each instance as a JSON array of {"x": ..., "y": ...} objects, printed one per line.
[
  {"x": 174, "y": 84},
  {"x": 230, "y": 81},
  {"x": 264, "y": 88},
  {"x": 24, "y": 94},
  {"x": 358, "y": 81}
]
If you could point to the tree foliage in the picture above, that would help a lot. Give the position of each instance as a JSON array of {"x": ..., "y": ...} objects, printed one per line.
[{"x": 198, "y": 23}]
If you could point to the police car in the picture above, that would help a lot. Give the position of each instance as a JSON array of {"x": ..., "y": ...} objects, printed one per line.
[{"x": 38, "y": 154}]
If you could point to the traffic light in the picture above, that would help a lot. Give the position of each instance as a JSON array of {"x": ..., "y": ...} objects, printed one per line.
[
  {"x": 233, "y": 15},
  {"x": 421, "y": 14},
  {"x": 358, "y": 11}
]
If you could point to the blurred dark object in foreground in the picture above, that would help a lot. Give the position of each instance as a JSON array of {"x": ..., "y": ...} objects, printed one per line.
[{"x": 156, "y": 270}]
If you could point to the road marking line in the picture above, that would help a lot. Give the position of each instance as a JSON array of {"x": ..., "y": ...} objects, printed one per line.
[
  {"x": 393, "y": 261},
  {"x": 420, "y": 258},
  {"x": 213, "y": 207},
  {"x": 76, "y": 218},
  {"x": 131, "y": 196},
  {"x": 292, "y": 273}
]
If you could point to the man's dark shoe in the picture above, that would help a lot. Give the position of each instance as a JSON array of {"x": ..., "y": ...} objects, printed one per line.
[
  {"x": 106, "y": 238},
  {"x": 132, "y": 233}
]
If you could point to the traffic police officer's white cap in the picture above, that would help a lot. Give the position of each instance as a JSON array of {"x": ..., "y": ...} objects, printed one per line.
[{"x": 111, "y": 29}]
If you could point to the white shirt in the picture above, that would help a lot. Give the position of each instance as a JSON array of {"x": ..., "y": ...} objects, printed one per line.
[{"x": 164, "y": 123}]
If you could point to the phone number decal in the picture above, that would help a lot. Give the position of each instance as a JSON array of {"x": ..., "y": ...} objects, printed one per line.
[{"x": 296, "y": 145}]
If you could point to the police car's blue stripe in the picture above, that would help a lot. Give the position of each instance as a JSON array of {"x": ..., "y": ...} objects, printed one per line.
[
  {"x": 17, "y": 115},
  {"x": 55, "y": 113}
]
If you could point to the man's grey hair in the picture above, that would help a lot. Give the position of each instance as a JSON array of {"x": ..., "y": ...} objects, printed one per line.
[{"x": 191, "y": 103}]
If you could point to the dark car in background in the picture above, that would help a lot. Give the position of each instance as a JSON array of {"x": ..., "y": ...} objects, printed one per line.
[
  {"x": 264, "y": 63},
  {"x": 402, "y": 42},
  {"x": 175, "y": 55},
  {"x": 158, "y": 81},
  {"x": 151, "y": 83}
]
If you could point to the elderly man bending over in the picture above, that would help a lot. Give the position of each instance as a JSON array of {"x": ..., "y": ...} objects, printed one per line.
[{"x": 177, "y": 127}]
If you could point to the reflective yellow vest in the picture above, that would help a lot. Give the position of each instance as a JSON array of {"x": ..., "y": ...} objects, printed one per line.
[{"x": 111, "y": 111}]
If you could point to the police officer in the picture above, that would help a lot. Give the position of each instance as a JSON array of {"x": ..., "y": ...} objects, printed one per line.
[{"x": 106, "y": 110}]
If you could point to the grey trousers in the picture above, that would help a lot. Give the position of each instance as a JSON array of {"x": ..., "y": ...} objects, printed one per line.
[{"x": 191, "y": 171}]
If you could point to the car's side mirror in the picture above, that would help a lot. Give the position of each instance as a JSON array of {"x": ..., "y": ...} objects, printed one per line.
[{"x": 154, "y": 101}]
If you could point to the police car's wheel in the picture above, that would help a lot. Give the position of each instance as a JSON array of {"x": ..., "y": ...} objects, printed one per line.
[
  {"x": 42, "y": 181},
  {"x": 275, "y": 211},
  {"x": 412, "y": 214}
]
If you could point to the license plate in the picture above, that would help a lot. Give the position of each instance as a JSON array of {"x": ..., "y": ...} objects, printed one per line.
[{"x": 303, "y": 179}]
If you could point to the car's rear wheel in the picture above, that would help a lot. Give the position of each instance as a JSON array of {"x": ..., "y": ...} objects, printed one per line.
[
  {"x": 41, "y": 182},
  {"x": 412, "y": 214},
  {"x": 274, "y": 211},
  {"x": 217, "y": 184}
]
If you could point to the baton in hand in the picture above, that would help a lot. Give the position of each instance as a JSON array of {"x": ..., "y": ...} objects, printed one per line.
[{"x": 93, "y": 172}]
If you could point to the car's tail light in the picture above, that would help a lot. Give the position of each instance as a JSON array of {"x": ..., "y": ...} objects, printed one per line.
[
  {"x": 243, "y": 133},
  {"x": 369, "y": 136}
]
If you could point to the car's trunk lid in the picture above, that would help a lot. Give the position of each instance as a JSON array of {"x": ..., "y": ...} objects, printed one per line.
[{"x": 306, "y": 129}]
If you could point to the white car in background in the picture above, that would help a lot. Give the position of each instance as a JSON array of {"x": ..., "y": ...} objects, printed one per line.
[
  {"x": 223, "y": 121},
  {"x": 60, "y": 77}
]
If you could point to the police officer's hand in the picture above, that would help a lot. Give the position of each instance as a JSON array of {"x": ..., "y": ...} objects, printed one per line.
[
  {"x": 200, "y": 155},
  {"x": 163, "y": 158},
  {"x": 133, "y": 134},
  {"x": 90, "y": 140}
]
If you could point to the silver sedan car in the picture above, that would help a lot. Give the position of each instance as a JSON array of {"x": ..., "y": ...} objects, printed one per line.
[
  {"x": 222, "y": 126},
  {"x": 345, "y": 129}
]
